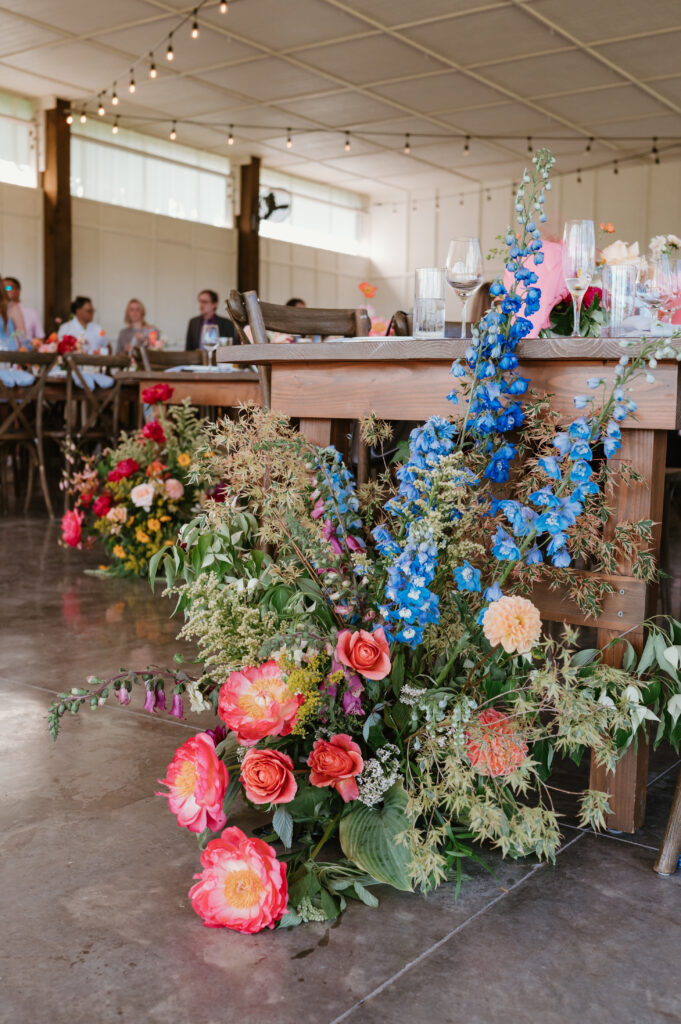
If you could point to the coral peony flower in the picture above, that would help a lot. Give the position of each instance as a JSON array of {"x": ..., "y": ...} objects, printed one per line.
[
  {"x": 335, "y": 763},
  {"x": 153, "y": 431},
  {"x": 72, "y": 528},
  {"x": 157, "y": 393},
  {"x": 267, "y": 777},
  {"x": 122, "y": 470},
  {"x": 366, "y": 653},
  {"x": 197, "y": 780},
  {"x": 142, "y": 496},
  {"x": 494, "y": 745},
  {"x": 242, "y": 885},
  {"x": 174, "y": 489},
  {"x": 102, "y": 505},
  {"x": 255, "y": 702},
  {"x": 513, "y": 622}
]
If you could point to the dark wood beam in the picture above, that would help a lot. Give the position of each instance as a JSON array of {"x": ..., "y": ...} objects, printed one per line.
[
  {"x": 57, "y": 235},
  {"x": 249, "y": 228}
]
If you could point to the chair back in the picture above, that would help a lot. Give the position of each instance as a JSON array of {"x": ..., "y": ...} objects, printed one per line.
[
  {"x": 100, "y": 408},
  {"x": 23, "y": 402},
  {"x": 158, "y": 359},
  {"x": 246, "y": 309}
]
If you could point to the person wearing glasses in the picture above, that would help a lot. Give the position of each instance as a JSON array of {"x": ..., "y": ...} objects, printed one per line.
[
  {"x": 208, "y": 304},
  {"x": 83, "y": 328},
  {"x": 26, "y": 321}
]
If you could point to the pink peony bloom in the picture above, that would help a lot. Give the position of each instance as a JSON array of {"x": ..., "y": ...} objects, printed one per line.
[
  {"x": 267, "y": 777},
  {"x": 242, "y": 885},
  {"x": 102, "y": 505},
  {"x": 366, "y": 653},
  {"x": 197, "y": 780},
  {"x": 335, "y": 763},
  {"x": 255, "y": 702},
  {"x": 72, "y": 529},
  {"x": 142, "y": 496},
  {"x": 153, "y": 431},
  {"x": 174, "y": 489}
]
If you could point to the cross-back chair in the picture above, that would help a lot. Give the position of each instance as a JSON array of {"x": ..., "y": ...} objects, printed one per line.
[
  {"x": 157, "y": 359},
  {"x": 402, "y": 325},
  {"x": 93, "y": 413},
  {"x": 20, "y": 425}
]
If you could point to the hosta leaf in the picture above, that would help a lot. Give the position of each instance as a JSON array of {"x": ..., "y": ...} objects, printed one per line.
[{"x": 368, "y": 837}]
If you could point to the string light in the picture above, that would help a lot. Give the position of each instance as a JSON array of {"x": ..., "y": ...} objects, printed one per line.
[
  {"x": 461, "y": 200},
  {"x": 579, "y": 177},
  {"x": 466, "y": 146},
  {"x": 289, "y": 140},
  {"x": 348, "y": 145},
  {"x": 115, "y": 127},
  {"x": 615, "y": 168},
  {"x": 230, "y": 140},
  {"x": 437, "y": 203},
  {"x": 195, "y": 26},
  {"x": 223, "y": 7},
  {"x": 114, "y": 97},
  {"x": 655, "y": 151},
  {"x": 153, "y": 73},
  {"x": 589, "y": 145},
  {"x": 100, "y": 109},
  {"x": 132, "y": 86},
  {"x": 173, "y": 133},
  {"x": 83, "y": 118},
  {"x": 170, "y": 53},
  {"x": 69, "y": 118},
  {"x": 407, "y": 145},
  {"x": 529, "y": 144},
  {"x": 489, "y": 196}
]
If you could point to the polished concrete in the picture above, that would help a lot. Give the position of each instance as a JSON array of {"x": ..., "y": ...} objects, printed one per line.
[{"x": 97, "y": 927}]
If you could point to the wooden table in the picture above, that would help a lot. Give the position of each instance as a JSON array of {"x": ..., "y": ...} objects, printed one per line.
[
  {"x": 406, "y": 379},
  {"x": 208, "y": 388}
]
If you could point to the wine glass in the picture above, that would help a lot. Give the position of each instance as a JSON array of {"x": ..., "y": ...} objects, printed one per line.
[
  {"x": 654, "y": 286},
  {"x": 579, "y": 262},
  {"x": 464, "y": 271},
  {"x": 673, "y": 301},
  {"x": 210, "y": 339}
]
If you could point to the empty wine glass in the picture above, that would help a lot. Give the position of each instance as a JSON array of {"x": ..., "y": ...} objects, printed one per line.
[
  {"x": 464, "y": 271},
  {"x": 654, "y": 286},
  {"x": 579, "y": 262},
  {"x": 210, "y": 338}
]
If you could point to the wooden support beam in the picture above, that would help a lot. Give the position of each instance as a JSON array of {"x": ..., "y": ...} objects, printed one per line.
[
  {"x": 249, "y": 227},
  {"x": 57, "y": 235}
]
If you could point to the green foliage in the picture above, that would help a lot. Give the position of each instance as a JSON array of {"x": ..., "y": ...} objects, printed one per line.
[{"x": 369, "y": 838}]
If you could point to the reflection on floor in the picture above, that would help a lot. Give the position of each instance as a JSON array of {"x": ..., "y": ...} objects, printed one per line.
[{"x": 97, "y": 926}]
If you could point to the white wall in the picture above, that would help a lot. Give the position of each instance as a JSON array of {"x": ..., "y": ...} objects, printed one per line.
[
  {"x": 21, "y": 240},
  {"x": 319, "y": 277}
]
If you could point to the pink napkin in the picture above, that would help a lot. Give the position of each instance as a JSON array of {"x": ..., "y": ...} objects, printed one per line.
[{"x": 551, "y": 282}]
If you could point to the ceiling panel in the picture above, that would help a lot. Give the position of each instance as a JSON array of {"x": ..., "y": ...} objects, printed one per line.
[
  {"x": 590, "y": 21},
  {"x": 88, "y": 68},
  {"x": 533, "y": 75},
  {"x": 82, "y": 18},
  {"x": 272, "y": 80},
  {"x": 444, "y": 90},
  {"x": 18, "y": 35},
  {"x": 283, "y": 26},
  {"x": 370, "y": 60},
  {"x": 501, "y": 119},
  {"x": 209, "y": 50},
  {"x": 397, "y": 12},
  {"x": 641, "y": 57},
  {"x": 343, "y": 108},
  {"x": 614, "y": 102}
]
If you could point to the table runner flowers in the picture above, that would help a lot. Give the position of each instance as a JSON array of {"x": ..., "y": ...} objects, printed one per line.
[{"x": 373, "y": 664}]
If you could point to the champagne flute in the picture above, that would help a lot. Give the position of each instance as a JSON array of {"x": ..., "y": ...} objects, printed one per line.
[
  {"x": 579, "y": 262},
  {"x": 464, "y": 271},
  {"x": 210, "y": 337}
]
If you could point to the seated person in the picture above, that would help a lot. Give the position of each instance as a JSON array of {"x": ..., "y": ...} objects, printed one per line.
[
  {"x": 83, "y": 328},
  {"x": 33, "y": 326},
  {"x": 136, "y": 331},
  {"x": 208, "y": 304},
  {"x": 9, "y": 329}
]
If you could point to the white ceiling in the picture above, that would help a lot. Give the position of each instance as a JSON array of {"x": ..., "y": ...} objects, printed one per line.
[{"x": 539, "y": 68}]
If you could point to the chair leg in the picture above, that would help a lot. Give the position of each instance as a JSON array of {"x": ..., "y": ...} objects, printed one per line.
[
  {"x": 668, "y": 857},
  {"x": 32, "y": 459}
]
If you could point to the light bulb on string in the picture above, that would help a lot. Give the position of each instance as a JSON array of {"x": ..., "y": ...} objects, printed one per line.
[
  {"x": 348, "y": 144},
  {"x": 195, "y": 26},
  {"x": 489, "y": 196},
  {"x": 132, "y": 86},
  {"x": 83, "y": 118},
  {"x": 579, "y": 177},
  {"x": 289, "y": 140},
  {"x": 230, "y": 140},
  {"x": 466, "y": 146},
  {"x": 589, "y": 145},
  {"x": 69, "y": 118},
  {"x": 100, "y": 109},
  {"x": 655, "y": 152},
  {"x": 153, "y": 73},
  {"x": 461, "y": 200},
  {"x": 114, "y": 130},
  {"x": 407, "y": 145},
  {"x": 529, "y": 144},
  {"x": 114, "y": 97},
  {"x": 223, "y": 7},
  {"x": 615, "y": 168},
  {"x": 437, "y": 203},
  {"x": 173, "y": 133},
  {"x": 170, "y": 53}
]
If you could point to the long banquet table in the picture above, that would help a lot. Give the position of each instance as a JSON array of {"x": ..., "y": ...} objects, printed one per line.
[
  {"x": 408, "y": 379},
  {"x": 222, "y": 389}
]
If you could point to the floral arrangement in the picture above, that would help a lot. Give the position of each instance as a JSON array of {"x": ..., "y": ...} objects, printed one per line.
[
  {"x": 135, "y": 497},
  {"x": 379, "y": 324},
  {"x": 591, "y": 317},
  {"x": 374, "y": 672},
  {"x": 665, "y": 245}
]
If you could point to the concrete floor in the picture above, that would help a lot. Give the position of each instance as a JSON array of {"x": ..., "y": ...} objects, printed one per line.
[{"x": 97, "y": 927}]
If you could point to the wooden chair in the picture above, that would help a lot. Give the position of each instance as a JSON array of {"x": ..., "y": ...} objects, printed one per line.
[
  {"x": 21, "y": 426},
  {"x": 670, "y": 850},
  {"x": 402, "y": 325},
  {"x": 157, "y": 359},
  {"x": 93, "y": 414}
]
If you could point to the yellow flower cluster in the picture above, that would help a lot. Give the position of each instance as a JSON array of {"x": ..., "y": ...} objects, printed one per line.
[{"x": 306, "y": 680}]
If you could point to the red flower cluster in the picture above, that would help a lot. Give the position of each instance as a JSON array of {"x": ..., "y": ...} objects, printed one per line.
[
  {"x": 157, "y": 393},
  {"x": 153, "y": 431},
  {"x": 102, "y": 504},
  {"x": 122, "y": 470},
  {"x": 67, "y": 344},
  {"x": 589, "y": 295}
]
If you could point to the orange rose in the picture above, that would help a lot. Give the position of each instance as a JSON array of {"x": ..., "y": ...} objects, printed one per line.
[
  {"x": 267, "y": 777},
  {"x": 335, "y": 763},
  {"x": 366, "y": 653}
]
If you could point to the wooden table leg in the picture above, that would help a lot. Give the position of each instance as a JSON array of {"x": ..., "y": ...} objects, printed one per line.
[
  {"x": 317, "y": 431},
  {"x": 668, "y": 857}
]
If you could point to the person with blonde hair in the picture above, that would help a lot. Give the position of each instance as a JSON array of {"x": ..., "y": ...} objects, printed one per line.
[{"x": 136, "y": 331}]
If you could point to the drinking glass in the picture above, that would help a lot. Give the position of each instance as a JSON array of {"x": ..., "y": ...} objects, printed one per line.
[
  {"x": 619, "y": 295},
  {"x": 464, "y": 271},
  {"x": 210, "y": 339},
  {"x": 429, "y": 303},
  {"x": 579, "y": 262},
  {"x": 654, "y": 286},
  {"x": 673, "y": 302}
]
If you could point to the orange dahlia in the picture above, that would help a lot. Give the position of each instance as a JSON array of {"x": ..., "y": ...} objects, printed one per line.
[{"x": 494, "y": 745}]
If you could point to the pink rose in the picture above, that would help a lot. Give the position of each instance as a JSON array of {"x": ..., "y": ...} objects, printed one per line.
[
  {"x": 242, "y": 885},
  {"x": 256, "y": 702},
  {"x": 267, "y": 777},
  {"x": 335, "y": 763},
  {"x": 174, "y": 489},
  {"x": 142, "y": 496},
  {"x": 102, "y": 505},
  {"x": 71, "y": 528},
  {"x": 366, "y": 653},
  {"x": 197, "y": 780}
]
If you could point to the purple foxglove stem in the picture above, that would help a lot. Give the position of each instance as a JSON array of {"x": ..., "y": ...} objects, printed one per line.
[
  {"x": 161, "y": 699},
  {"x": 150, "y": 701},
  {"x": 177, "y": 710}
]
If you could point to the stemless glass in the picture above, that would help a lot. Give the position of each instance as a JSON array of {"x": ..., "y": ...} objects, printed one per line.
[
  {"x": 672, "y": 303},
  {"x": 210, "y": 338},
  {"x": 654, "y": 285},
  {"x": 619, "y": 296},
  {"x": 464, "y": 271},
  {"x": 579, "y": 262}
]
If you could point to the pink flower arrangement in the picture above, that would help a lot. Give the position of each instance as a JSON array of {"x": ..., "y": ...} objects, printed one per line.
[
  {"x": 72, "y": 528},
  {"x": 242, "y": 885},
  {"x": 197, "y": 781},
  {"x": 103, "y": 504},
  {"x": 267, "y": 777},
  {"x": 336, "y": 763},
  {"x": 255, "y": 702},
  {"x": 363, "y": 652}
]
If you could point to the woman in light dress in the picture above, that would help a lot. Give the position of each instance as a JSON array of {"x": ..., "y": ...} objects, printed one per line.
[{"x": 136, "y": 331}]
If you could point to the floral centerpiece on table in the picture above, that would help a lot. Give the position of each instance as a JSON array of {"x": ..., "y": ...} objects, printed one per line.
[
  {"x": 373, "y": 670},
  {"x": 134, "y": 498},
  {"x": 665, "y": 245}
]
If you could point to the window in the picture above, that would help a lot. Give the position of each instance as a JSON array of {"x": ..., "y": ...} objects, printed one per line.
[
  {"x": 17, "y": 141},
  {"x": 147, "y": 173},
  {"x": 320, "y": 215}
]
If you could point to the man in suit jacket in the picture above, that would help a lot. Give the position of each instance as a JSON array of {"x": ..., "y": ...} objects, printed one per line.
[{"x": 208, "y": 304}]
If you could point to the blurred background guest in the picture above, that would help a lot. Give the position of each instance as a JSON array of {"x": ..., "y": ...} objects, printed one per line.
[
  {"x": 33, "y": 325},
  {"x": 82, "y": 325},
  {"x": 8, "y": 328},
  {"x": 208, "y": 304},
  {"x": 297, "y": 302},
  {"x": 136, "y": 331}
]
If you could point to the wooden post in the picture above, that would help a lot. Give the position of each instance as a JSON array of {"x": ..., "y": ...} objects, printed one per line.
[
  {"x": 249, "y": 227},
  {"x": 57, "y": 236}
]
